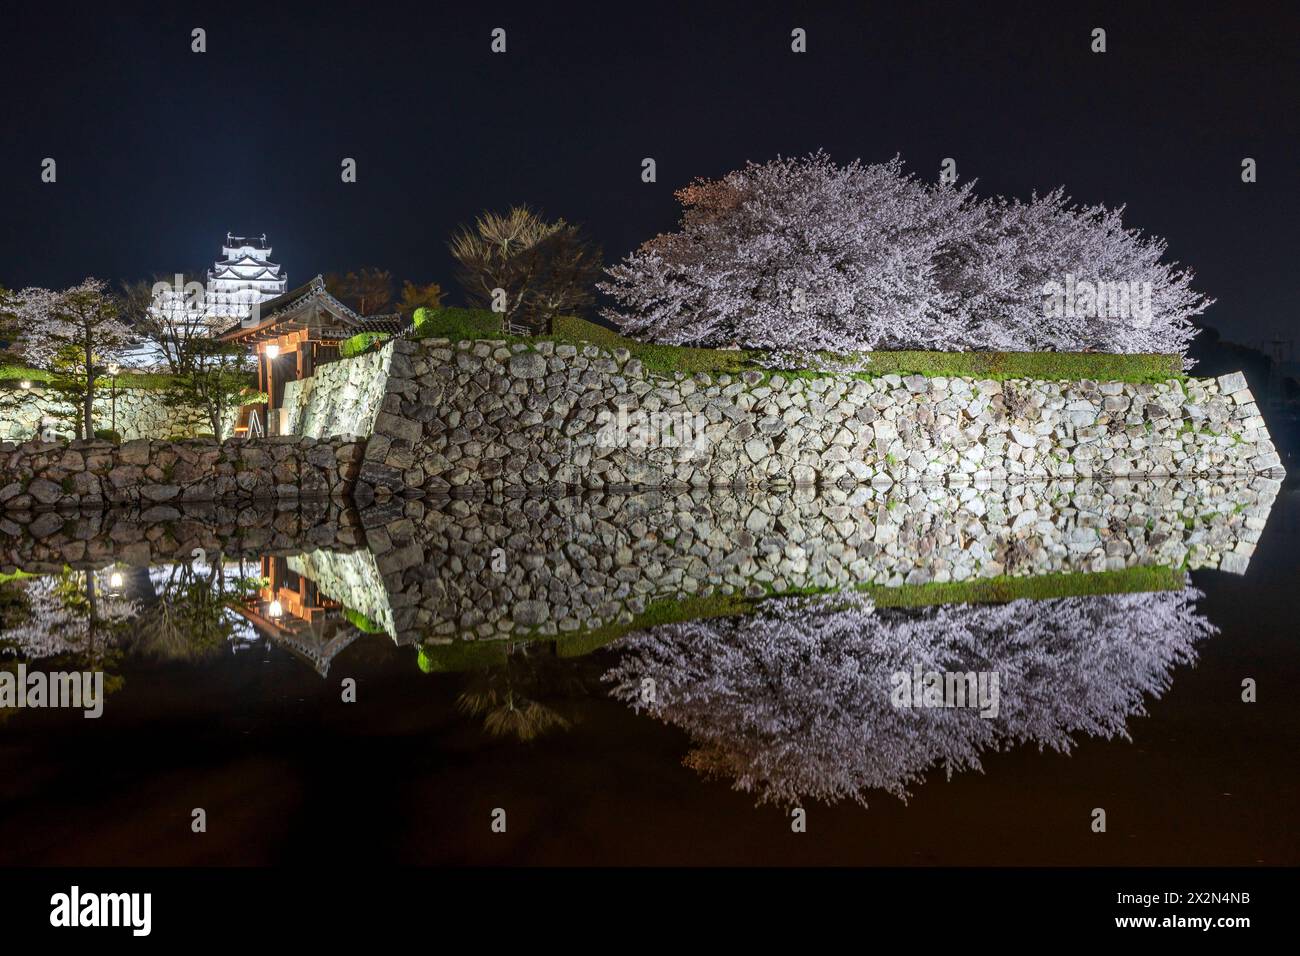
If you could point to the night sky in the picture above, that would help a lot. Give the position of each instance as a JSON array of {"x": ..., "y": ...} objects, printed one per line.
[{"x": 161, "y": 151}]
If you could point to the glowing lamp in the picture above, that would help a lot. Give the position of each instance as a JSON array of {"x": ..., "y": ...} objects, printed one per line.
[
  {"x": 115, "y": 580},
  {"x": 25, "y": 383},
  {"x": 275, "y": 608},
  {"x": 114, "y": 368},
  {"x": 272, "y": 351}
]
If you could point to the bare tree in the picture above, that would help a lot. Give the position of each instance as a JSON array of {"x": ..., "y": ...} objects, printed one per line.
[
  {"x": 541, "y": 269},
  {"x": 171, "y": 313}
]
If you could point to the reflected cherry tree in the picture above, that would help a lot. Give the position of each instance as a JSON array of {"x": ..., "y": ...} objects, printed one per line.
[
  {"x": 794, "y": 701},
  {"x": 73, "y": 614},
  {"x": 70, "y": 621},
  {"x": 190, "y": 613}
]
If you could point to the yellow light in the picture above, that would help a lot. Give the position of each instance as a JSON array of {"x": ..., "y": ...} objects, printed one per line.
[
  {"x": 25, "y": 383},
  {"x": 115, "y": 580},
  {"x": 275, "y": 609},
  {"x": 272, "y": 351}
]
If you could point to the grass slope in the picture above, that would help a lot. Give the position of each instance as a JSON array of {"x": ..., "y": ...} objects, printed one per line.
[
  {"x": 146, "y": 380},
  {"x": 462, "y": 324}
]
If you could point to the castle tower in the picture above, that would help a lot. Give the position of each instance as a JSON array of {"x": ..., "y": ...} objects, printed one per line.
[{"x": 244, "y": 276}]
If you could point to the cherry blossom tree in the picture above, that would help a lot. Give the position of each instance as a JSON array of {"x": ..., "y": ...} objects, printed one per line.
[
  {"x": 999, "y": 274},
  {"x": 795, "y": 700},
  {"x": 73, "y": 334},
  {"x": 797, "y": 255},
  {"x": 170, "y": 313}
]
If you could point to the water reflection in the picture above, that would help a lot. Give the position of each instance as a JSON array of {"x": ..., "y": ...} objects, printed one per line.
[
  {"x": 70, "y": 621},
  {"x": 509, "y": 698},
  {"x": 1074, "y": 593},
  {"x": 289, "y": 609},
  {"x": 795, "y": 700}
]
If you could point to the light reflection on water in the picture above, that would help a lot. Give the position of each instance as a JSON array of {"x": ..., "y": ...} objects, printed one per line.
[{"x": 786, "y": 698}]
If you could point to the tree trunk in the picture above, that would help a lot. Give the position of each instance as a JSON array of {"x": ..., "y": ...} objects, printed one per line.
[
  {"x": 89, "y": 412},
  {"x": 90, "y": 389}
]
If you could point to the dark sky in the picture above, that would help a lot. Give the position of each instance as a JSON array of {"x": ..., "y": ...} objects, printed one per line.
[{"x": 161, "y": 151}]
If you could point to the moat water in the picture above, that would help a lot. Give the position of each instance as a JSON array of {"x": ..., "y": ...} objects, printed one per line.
[{"x": 662, "y": 683}]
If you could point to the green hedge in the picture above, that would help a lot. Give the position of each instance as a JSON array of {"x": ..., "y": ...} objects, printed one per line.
[
  {"x": 361, "y": 342},
  {"x": 1071, "y": 366},
  {"x": 1034, "y": 587},
  {"x": 1052, "y": 366},
  {"x": 466, "y": 654},
  {"x": 148, "y": 380},
  {"x": 457, "y": 324},
  {"x": 361, "y": 622},
  {"x": 664, "y": 359},
  {"x": 462, "y": 324}
]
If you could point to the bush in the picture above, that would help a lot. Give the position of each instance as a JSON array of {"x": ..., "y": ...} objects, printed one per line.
[
  {"x": 361, "y": 622},
  {"x": 107, "y": 434},
  {"x": 360, "y": 342},
  {"x": 457, "y": 324}
]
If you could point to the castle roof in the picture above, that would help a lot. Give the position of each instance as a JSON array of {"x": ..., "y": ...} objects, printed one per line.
[
  {"x": 247, "y": 261},
  {"x": 228, "y": 272},
  {"x": 237, "y": 242},
  {"x": 312, "y": 308}
]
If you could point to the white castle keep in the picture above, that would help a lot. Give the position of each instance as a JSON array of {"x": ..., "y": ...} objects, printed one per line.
[{"x": 243, "y": 277}]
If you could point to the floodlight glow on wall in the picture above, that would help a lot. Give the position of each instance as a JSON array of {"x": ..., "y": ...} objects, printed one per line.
[{"x": 272, "y": 351}]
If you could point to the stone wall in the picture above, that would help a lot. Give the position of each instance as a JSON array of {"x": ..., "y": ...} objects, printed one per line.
[
  {"x": 341, "y": 398},
  {"x": 470, "y": 416},
  {"x": 44, "y": 476},
  {"x": 141, "y": 413}
]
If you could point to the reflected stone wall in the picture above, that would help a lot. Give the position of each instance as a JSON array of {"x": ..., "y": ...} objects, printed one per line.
[
  {"x": 140, "y": 537},
  {"x": 582, "y": 562},
  {"x": 351, "y": 578},
  {"x": 479, "y": 569}
]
